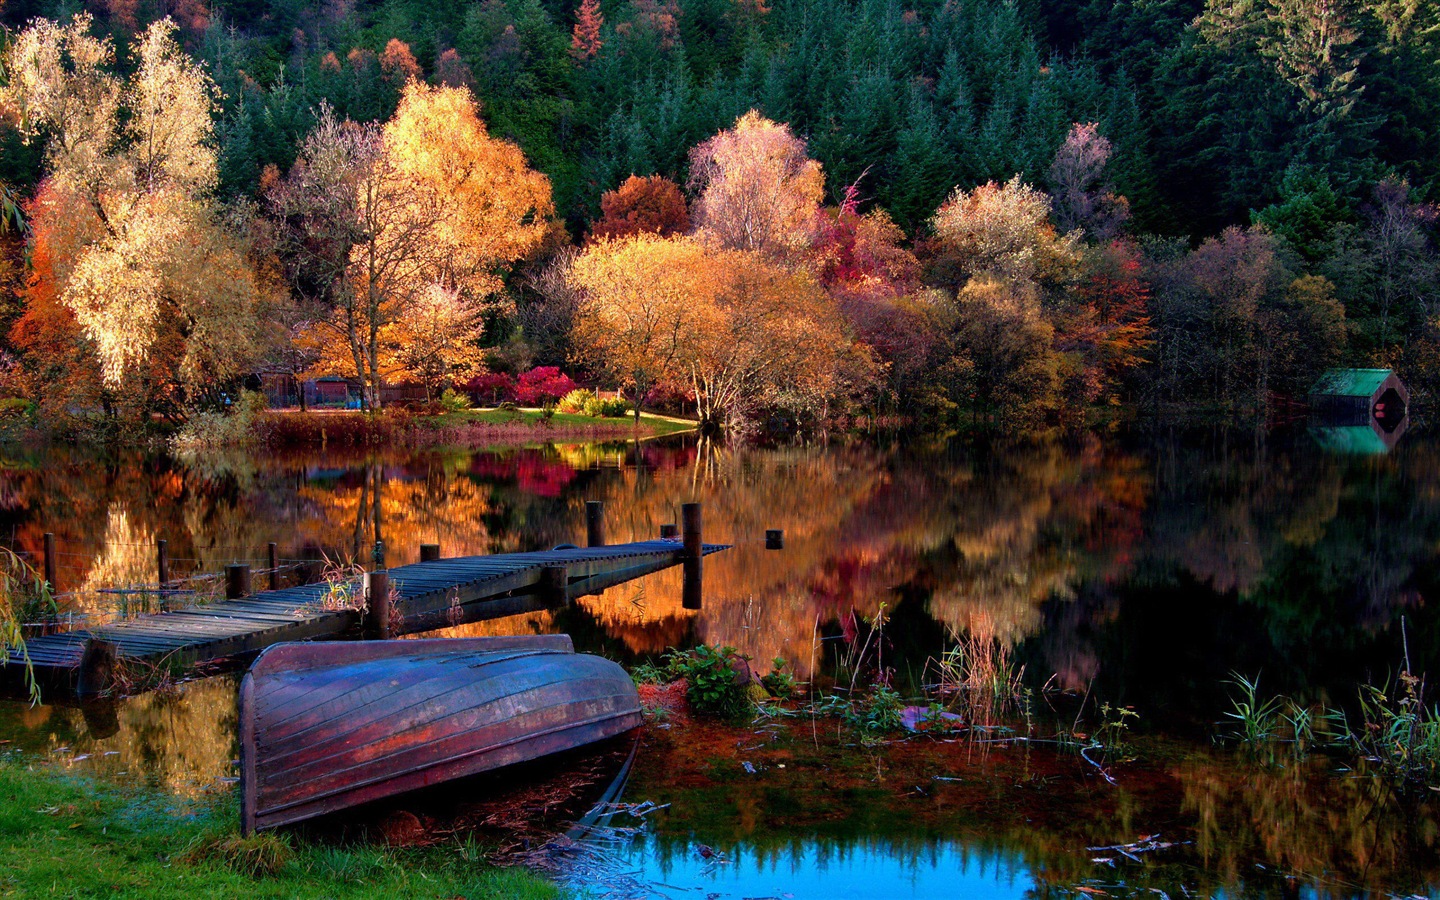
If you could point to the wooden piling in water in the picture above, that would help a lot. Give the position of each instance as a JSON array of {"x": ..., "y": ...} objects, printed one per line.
[
  {"x": 774, "y": 539},
  {"x": 555, "y": 584},
  {"x": 378, "y": 624},
  {"x": 50, "y": 561},
  {"x": 429, "y": 552},
  {"x": 377, "y": 556},
  {"x": 692, "y": 593},
  {"x": 272, "y": 553},
  {"x": 237, "y": 581},
  {"x": 162, "y": 563},
  {"x": 595, "y": 523},
  {"x": 97, "y": 668},
  {"x": 669, "y": 531}
]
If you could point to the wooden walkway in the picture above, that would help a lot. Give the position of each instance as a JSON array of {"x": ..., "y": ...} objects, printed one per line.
[{"x": 427, "y": 595}]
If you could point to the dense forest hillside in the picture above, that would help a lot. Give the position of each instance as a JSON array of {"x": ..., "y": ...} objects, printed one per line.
[{"x": 1256, "y": 176}]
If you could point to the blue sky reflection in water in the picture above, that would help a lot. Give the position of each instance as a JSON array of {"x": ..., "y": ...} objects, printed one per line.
[{"x": 867, "y": 870}]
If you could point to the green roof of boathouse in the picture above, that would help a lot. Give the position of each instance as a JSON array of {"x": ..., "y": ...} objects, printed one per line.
[{"x": 1350, "y": 382}]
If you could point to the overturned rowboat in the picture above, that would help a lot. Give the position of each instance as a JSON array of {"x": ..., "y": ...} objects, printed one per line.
[{"x": 327, "y": 726}]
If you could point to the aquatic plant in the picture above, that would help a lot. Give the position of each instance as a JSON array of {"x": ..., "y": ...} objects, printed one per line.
[
  {"x": 712, "y": 685},
  {"x": 1256, "y": 720},
  {"x": 979, "y": 676},
  {"x": 779, "y": 682},
  {"x": 877, "y": 713},
  {"x": 1397, "y": 732},
  {"x": 1114, "y": 727},
  {"x": 651, "y": 673},
  {"x": 344, "y": 585}
]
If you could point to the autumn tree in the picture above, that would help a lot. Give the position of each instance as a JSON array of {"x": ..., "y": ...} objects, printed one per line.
[
  {"x": 1013, "y": 370},
  {"x": 438, "y": 341},
  {"x": 1082, "y": 193},
  {"x": 1103, "y": 327},
  {"x": 163, "y": 268},
  {"x": 652, "y": 204},
  {"x": 772, "y": 340},
  {"x": 638, "y": 312},
  {"x": 375, "y": 218},
  {"x": 755, "y": 188},
  {"x": 742, "y": 331},
  {"x": 1001, "y": 231},
  {"x": 1234, "y": 323},
  {"x": 585, "y": 39}
]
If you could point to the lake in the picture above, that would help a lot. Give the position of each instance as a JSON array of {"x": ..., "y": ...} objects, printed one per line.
[{"x": 1135, "y": 571}]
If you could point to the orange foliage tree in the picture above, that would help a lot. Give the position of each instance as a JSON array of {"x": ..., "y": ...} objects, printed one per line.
[
  {"x": 585, "y": 39},
  {"x": 744, "y": 332},
  {"x": 652, "y": 204},
  {"x": 374, "y": 219},
  {"x": 1104, "y": 328}
]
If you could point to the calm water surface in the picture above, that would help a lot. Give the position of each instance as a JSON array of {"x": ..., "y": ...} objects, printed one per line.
[{"x": 1141, "y": 572}]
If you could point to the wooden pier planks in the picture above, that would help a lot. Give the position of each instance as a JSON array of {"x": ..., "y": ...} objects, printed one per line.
[{"x": 431, "y": 595}]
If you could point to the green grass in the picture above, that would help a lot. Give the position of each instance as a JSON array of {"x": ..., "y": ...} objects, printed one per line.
[
  {"x": 63, "y": 836},
  {"x": 652, "y": 423}
]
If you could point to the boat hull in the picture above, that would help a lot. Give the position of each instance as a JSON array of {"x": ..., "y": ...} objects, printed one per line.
[{"x": 328, "y": 726}]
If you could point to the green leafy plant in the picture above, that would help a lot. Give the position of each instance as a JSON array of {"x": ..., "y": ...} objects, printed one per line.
[
  {"x": 576, "y": 401},
  {"x": 779, "y": 682},
  {"x": 878, "y": 713},
  {"x": 1114, "y": 727},
  {"x": 711, "y": 684},
  {"x": 452, "y": 401},
  {"x": 610, "y": 408}
]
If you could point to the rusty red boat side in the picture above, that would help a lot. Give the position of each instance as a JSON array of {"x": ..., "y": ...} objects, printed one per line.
[{"x": 327, "y": 726}]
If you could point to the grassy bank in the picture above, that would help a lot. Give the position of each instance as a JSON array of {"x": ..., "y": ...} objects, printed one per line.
[
  {"x": 538, "y": 422},
  {"x": 62, "y": 836},
  {"x": 287, "y": 429}
]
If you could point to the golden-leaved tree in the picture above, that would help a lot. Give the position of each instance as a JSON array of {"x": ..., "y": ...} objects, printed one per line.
[
  {"x": 373, "y": 220},
  {"x": 161, "y": 270},
  {"x": 640, "y": 306},
  {"x": 741, "y": 331}
]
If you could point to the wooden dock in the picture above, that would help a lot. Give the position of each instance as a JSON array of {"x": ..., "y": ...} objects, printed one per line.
[{"x": 425, "y": 596}]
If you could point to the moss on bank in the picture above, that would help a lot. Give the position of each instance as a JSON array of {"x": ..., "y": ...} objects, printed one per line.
[{"x": 63, "y": 836}]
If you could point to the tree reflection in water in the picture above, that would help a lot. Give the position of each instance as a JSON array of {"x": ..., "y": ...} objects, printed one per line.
[{"x": 1143, "y": 572}]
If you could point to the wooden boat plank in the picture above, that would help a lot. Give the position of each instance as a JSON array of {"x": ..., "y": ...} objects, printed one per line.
[
  {"x": 428, "y": 747},
  {"x": 315, "y": 702},
  {"x": 413, "y": 704}
]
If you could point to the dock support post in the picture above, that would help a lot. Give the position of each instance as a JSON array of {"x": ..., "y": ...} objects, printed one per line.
[
  {"x": 50, "y": 561},
  {"x": 555, "y": 584},
  {"x": 162, "y": 563},
  {"x": 97, "y": 668},
  {"x": 429, "y": 552},
  {"x": 595, "y": 523},
  {"x": 272, "y": 554},
  {"x": 377, "y": 607},
  {"x": 694, "y": 556},
  {"x": 774, "y": 539},
  {"x": 237, "y": 581},
  {"x": 377, "y": 555},
  {"x": 669, "y": 532}
]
